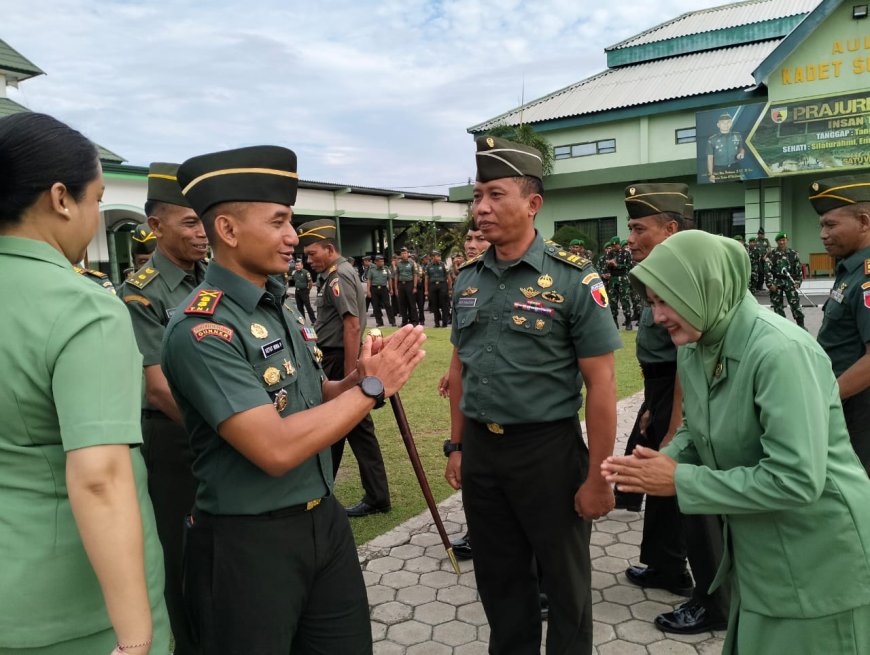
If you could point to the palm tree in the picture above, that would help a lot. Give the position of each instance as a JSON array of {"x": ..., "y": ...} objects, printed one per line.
[{"x": 523, "y": 133}]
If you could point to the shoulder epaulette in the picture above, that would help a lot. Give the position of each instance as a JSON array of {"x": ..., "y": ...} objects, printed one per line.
[
  {"x": 143, "y": 277},
  {"x": 204, "y": 302},
  {"x": 472, "y": 260},
  {"x": 89, "y": 271},
  {"x": 556, "y": 252}
]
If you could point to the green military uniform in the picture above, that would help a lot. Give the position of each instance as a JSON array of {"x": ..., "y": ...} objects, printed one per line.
[
  {"x": 379, "y": 281},
  {"x": 420, "y": 293},
  {"x": 302, "y": 291},
  {"x": 272, "y": 563},
  {"x": 636, "y": 301},
  {"x": 523, "y": 454},
  {"x": 783, "y": 274},
  {"x": 406, "y": 272},
  {"x": 67, "y": 384},
  {"x": 96, "y": 276},
  {"x": 152, "y": 295},
  {"x": 619, "y": 264},
  {"x": 437, "y": 284},
  {"x": 755, "y": 263},
  {"x": 845, "y": 330},
  {"x": 724, "y": 148}
]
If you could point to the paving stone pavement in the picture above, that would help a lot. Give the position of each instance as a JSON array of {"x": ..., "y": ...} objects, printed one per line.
[{"x": 419, "y": 606}]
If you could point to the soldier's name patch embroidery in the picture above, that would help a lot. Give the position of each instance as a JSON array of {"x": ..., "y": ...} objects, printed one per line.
[
  {"x": 271, "y": 348},
  {"x": 204, "y": 302},
  {"x": 589, "y": 278},
  {"x": 204, "y": 330},
  {"x": 142, "y": 300},
  {"x": 466, "y": 302}
]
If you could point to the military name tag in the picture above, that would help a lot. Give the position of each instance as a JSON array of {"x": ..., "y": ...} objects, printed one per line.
[
  {"x": 272, "y": 347},
  {"x": 466, "y": 302}
]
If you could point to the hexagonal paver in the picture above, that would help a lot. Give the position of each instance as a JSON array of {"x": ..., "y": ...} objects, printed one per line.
[
  {"x": 457, "y": 595},
  {"x": 711, "y": 647},
  {"x": 395, "y": 537},
  {"x": 648, "y": 610},
  {"x": 454, "y": 633},
  {"x": 438, "y": 579},
  {"x": 387, "y": 648},
  {"x": 632, "y": 537},
  {"x": 690, "y": 639},
  {"x": 379, "y": 631},
  {"x": 611, "y": 613},
  {"x": 639, "y": 632},
  {"x": 613, "y": 527},
  {"x": 392, "y": 613},
  {"x": 596, "y": 551},
  {"x": 472, "y": 613},
  {"x": 472, "y": 648},
  {"x": 385, "y": 564},
  {"x": 435, "y": 613},
  {"x": 429, "y": 648},
  {"x": 483, "y": 632},
  {"x": 371, "y": 577},
  {"x": 624, "y": 594},
  {"x": 380, "y": 594},
  {"x": 602, "y": 538},
  {"x": 406, "y": 551},
  {"x": 623, "y": 551},
  {"x": 621, "y": 648},
  {"x": 663, "y": 596},
  {"x": 422, "y": 564},
  {"x": 602, "y": 633},
  {"x": 425, "y": 539},
  {"x": 467, "y": 580},
  {"x": 610, "y": 564},
  {"x": 671, "y": 648},
  {"x": 623, "y": 515},
  {"x": 409, "y": 633},
  {"x": 600, "y": 580},
  {"x": 416, "y": 595},
  {"x": 399, "y": 579}
]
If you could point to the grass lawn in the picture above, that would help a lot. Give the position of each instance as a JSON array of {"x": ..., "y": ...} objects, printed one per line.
[{"x": 428, "y": 415}]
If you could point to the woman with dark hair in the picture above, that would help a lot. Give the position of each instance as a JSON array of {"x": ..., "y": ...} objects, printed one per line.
[
  {"x": 81, "y": 565},
  {"x": 763, "y": 443}
]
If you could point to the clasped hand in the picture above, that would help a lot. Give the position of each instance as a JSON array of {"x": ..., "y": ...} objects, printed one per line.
[
  {"x": 645, "y": 471},
  {"x": 392, "y": 359}
]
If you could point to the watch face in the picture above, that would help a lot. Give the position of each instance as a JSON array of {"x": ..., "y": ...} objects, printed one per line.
[{"x": 372, "y": 386}]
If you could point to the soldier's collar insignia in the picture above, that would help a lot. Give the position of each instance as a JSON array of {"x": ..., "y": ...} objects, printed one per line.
[
  {"x": 259, "y": 331},
  {"x": 552, "y": 296},
  {"x": 545, "y": 281},
  {"x": 470, "y": 291},
  {"x": 529, "y": 292},
  {"x": 204, "y": 302}
]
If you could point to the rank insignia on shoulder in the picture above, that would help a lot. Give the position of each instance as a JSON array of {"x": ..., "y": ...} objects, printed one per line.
[
  {"x": 545, "y": 281},
  {"x": 204, "y": 330},
  {"x": 470, "y": 291},
  {"x": 555, "y": 251},
  {"x": 142, "y": 300},
  {"x": 529, "y": 292},
  {"x": 143, "y": 277},
  {"x": 204, "y": 302}
]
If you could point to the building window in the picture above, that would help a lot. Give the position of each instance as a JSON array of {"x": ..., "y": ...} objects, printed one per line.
[
  {"x": 599, "y": 229},
  {"x": 602, "y": 147},
  {"x": 685, "y": 135},
  {"x": 727, "y": 221}
]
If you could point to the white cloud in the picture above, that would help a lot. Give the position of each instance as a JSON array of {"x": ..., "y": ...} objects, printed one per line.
[{"x": 367, "y": 92}]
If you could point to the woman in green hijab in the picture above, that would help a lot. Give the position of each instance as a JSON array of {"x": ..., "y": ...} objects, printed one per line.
[{"x": 764, "y": 444}]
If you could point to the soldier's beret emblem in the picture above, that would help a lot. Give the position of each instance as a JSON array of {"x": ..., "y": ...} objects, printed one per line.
[
  {"x": 631, "y": 190},
  {"x": 815, "y": 186},
  {"x": 490, "y": 142}
]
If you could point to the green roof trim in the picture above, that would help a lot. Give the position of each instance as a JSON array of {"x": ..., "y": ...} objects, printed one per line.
[
  {"x": 9, "y": 107},
  {"x": 713, "y": 40},
  {"x": 107, "y": 155},
  {"x": 13, "y": 61},
  {"x": 797, "y": 36}
]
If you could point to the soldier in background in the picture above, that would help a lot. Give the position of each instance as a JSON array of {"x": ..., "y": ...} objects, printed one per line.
[
  {"x": 142, "y": 244},
  {"x": 439, "y": 288},
  {"x": 379, "y": 281},
  {"x": 421, "y": 292},
  {"x": 755, "y": 263},
  {"x": 302, "y": 284},
  {"x": 406, "y": 287},
  {"x": 783, "y": 274},
  {"x": 619, "y": 264}
]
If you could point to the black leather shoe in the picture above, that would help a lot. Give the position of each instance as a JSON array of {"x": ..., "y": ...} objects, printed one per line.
[
  {"x": 462, "y": 547},
  {"x": 628, "y": 502},
  {"x": 647, "y": 576},
  {"x": 689, "y": 619},
  {"x": 362, "y": 508},
  {"x": 545, "y": 606}
]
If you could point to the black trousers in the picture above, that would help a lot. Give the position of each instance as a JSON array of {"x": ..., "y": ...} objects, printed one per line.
[
  {"x": 172, "y": 487},
  {"x": 518, "y": 490},
  {"x": 704, "y": 547},
  {"x": 363, "y": 442},
  {"x": 381, "y": 300},
  {"x": 420, "y": 296},
  {"x": 303, "y": 301},
  {"x": 664, "y": 544},
  {"x": 857, "y": 412},
  {"x": 286, "y": 582},
  {"x": 407, "y": 302},
  {"x": 438, "y": 303}
]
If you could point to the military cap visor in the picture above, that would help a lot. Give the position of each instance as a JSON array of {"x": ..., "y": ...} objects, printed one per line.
[
  {"x": 254, "y": 174},
  {"x": 316, "y": 231},
  {"x": 163, "y": 184},
  {"x": 498, "y": 158},
  {"x": 642, "y": 200},
  {"x": 379, "y": 257},
  {"x": 833, "y": 193}
]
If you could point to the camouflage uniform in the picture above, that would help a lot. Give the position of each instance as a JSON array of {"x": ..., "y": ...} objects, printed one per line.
[
  {"x": 619, "y": 290},
  {"x": 779, "y": 265}
]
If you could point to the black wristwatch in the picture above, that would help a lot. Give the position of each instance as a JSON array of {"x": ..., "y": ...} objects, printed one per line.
[
  {"x": 450, "y": 447},
  {"x": 373, "y": 388}
]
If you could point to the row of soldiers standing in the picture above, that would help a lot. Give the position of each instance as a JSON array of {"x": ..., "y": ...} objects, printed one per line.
[{"x": 779, "y": 269}]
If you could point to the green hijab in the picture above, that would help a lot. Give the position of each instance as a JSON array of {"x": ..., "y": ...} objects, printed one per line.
[{"x": 704, "y": 278}]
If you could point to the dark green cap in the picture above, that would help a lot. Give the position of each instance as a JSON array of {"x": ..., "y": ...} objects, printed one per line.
[
  {"x": 254, "y": 174},
  {"x": 738, "y": 237},
  {"x": 751, "y": 239},
  {"x": 163, "y": 184},
  {"x": 781, "y": 235},
  {"x": 725, "y": 116},
  {"x": 836, "y": 192},
  {"x": 577, "y": 242},
  {"x": 315, "y": 231},
  {"x": 643, "y": 200},
  {"x": 498, "y": 158},
  {"x": 379, "y": 256},
  {"x": 143, "y": 240}
]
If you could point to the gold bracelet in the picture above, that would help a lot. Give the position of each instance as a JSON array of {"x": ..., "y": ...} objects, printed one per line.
[{"x": 122, "y": 647}]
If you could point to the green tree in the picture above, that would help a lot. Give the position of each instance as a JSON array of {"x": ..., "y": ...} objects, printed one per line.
[{"x": 524, "y": 134}]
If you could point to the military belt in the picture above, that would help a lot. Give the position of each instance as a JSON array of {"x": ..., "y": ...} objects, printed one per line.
[
  {"x": 200, "y": 515},
  {"x": 518, "y": 429}
]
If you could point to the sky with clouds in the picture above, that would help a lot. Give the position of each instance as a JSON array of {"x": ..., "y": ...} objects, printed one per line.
[{"x": 367, "y": 92}]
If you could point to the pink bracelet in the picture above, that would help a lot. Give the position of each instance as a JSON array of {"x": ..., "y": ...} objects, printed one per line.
[{"x": 123, "y": 647}]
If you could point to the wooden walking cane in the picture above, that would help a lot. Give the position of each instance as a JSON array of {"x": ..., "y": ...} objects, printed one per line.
[{"x": 414, "y": 456}]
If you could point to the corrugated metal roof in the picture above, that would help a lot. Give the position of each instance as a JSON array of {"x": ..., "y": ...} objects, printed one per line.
[
  {"x": 655, "y": 81},
  {"x": 718, "y": 18},
  {"x": 11, "y": 60}
]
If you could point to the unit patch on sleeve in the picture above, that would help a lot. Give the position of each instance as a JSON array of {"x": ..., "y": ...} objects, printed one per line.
[
  {"x": 204, "y": 302},
  {"x": 599, "y": 293},
  {"x": 204, "y": 330}
]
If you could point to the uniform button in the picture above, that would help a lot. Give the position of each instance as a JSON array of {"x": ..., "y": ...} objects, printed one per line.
[
  {"x": 495, "y": 317},
  {"x": 501, "y": 286},
  {"x": 528, "y": 325},
  {"x": 489, "y": 349},
  {"x": 483, "y": 412},
  {"x": 485, "y": 380}
]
